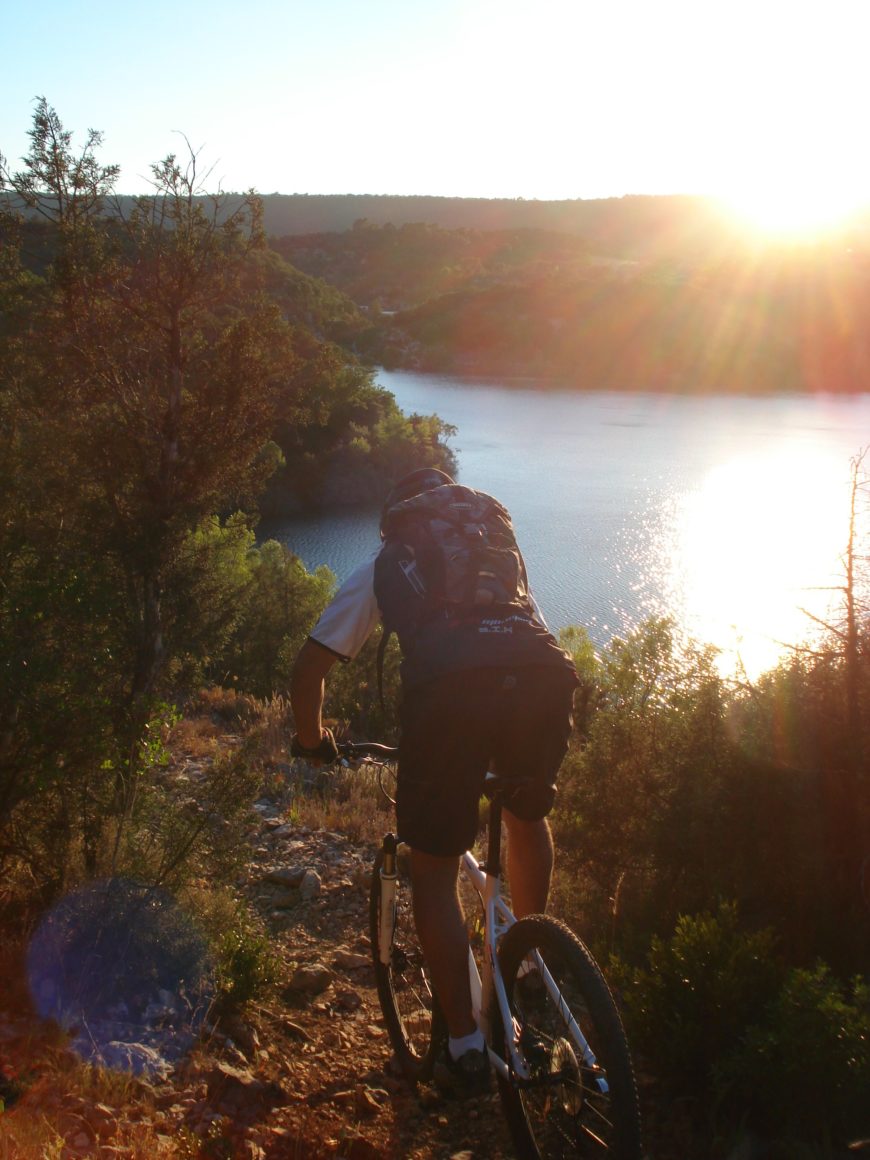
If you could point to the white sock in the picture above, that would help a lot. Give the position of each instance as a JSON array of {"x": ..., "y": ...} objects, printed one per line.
[{"x": 472, "y": 1042}]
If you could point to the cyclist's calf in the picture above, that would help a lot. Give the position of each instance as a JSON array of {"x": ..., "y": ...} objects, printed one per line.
[{"x": 529, "y": 863}]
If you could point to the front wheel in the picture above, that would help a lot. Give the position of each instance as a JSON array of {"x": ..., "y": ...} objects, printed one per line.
[
  {"x": 403, "y": 983},
  {"x": 581, "y": 1097}
]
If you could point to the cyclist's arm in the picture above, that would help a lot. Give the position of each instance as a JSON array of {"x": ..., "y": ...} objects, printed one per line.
[
  {"x": 307, "y": 687},
  {"x": 340, "y": 633}
]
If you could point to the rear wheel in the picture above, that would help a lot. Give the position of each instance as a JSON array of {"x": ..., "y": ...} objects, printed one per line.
[
  {"x": 403, "y": 983},
  {"x": 581, "y": 1099}
]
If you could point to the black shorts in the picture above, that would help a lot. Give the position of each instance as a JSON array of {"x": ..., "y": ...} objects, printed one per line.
[{"x": 515, "y": 722}]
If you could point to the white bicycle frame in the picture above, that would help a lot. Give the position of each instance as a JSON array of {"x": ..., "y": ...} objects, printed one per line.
[{"x": 498, "y": 918}]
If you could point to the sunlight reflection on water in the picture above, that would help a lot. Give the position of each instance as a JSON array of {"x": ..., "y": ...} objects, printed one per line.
[
  {"x": 755, "y": 548},
  {"x": 728, "y": 513}
]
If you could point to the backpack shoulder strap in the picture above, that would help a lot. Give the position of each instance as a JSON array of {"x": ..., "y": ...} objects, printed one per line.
[{"x": 382, "y": 652}]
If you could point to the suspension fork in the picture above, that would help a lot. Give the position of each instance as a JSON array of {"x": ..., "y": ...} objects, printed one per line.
[{"x": 389, "y": 877}]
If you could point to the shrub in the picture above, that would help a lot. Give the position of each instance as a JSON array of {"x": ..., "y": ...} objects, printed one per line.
[
  {"x": 246, "y": 964},
  {"x": 805, "y": 1067},
  {"x": 689, "y": 1008}
]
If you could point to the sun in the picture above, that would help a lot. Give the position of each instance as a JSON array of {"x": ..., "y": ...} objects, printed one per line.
[{"x": 800, "y": 210}]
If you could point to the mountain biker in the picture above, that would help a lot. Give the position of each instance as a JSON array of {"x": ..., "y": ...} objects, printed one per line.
[{"x": 482, "y": 687}]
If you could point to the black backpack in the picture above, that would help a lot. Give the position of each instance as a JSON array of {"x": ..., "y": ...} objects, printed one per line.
[{"x": 448, "y": 550}]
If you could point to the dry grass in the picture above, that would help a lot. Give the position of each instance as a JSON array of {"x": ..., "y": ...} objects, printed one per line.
[
  {"x": 350, "y": 802},
  {"x": 196, "y": 737},
  {"x": 55, "y": 1095},
  {"x": 227, "y": 707},
  {"x": 28, "y": 1135}
]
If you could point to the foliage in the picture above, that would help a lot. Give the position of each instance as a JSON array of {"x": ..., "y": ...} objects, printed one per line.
[
  {"x": 246, "y": 963},
  {"x": 240, "y": 612},
  {"x": 689, "y": 1006},
  {"x": 394, "y": 267},
  {"x": 718, "y": 1017},
  {"x": 355, "y": 445},
  {"x": 153, "y": 356},
  {"x": 177, "y": 830},
  {"x": 141, "y": 369},
  {"x": 639, "y": 801},
  {"x": 281, "y": 603},
  {"x": 804, "y": 1067},
  {"x": 353, "y": 696}
]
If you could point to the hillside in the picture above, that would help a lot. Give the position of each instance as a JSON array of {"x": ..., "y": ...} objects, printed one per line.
[
  {"x": 623, "y": 222},
  {"x": 304, "y": 1072},
  {"x": 602, "y": 312},
  {"x": 632, "y": 225},
  {"x": 394, "y": 268},
  {"x": 618, "y": 294},
  {"x": 633, "y": 221},
  {"x": 648, "y": 329}
]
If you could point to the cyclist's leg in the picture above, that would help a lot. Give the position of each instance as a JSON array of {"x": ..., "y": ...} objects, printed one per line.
[
  {"x": 443, "y": 937},
  {"x": 534, "y": 726},
  {"x": 443, "y": 757},
  {"x": 529, "y": 862}
]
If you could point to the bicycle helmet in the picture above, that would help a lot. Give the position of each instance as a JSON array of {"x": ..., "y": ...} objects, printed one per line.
[{"x": 423, "y": 479}]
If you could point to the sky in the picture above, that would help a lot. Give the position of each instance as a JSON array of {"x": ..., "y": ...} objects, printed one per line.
[{"x": 544, "y": 99}]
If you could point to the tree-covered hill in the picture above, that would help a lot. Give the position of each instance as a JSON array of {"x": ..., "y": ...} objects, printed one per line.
[
  {"x": 619, "y": 221},
  {"x": 604, "y": 314},
  {"x": 790, "y": 327},
  {"x": 632, "y": 226},
  {"x": 649, "y": 292},
  {"x": 303, "y": 299},
  {"x": 639, "y": 223},
  {"x": 400, "y": 267}
]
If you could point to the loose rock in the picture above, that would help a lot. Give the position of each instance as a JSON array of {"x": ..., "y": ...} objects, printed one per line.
[
  {"x": 311, "y": 980},
  {"x": 310, "y": 886}
]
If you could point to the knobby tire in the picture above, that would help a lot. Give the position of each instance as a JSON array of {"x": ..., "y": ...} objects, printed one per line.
[{"x": 565, "y": 1110}]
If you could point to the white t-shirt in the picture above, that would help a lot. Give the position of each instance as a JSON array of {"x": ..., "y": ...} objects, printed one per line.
[{"x": 352, "y": 616}]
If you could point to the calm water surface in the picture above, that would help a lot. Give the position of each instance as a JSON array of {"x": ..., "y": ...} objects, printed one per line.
[{"x": 729, "y": 514}]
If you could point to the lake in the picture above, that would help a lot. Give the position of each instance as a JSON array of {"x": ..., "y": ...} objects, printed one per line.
[{"x": 728, "y": 513}]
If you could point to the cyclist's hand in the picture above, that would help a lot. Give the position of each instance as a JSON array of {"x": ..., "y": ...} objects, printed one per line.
[{"x": 323, "y": 754}]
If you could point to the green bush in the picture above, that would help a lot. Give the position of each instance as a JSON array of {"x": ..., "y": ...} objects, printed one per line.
[
  {"x": 717, "y": 1019},
  {"x": 804, "y": 1068},
  {"x": 688, "y": 1009},
  {"x": 246, "y": 964}
]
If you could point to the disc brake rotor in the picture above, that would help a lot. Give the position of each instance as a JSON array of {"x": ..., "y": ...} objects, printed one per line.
[{"x": 563, "y": 1062}]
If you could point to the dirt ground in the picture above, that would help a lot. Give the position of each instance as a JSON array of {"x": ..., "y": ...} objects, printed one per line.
[{"x": 307, "y": 1074}]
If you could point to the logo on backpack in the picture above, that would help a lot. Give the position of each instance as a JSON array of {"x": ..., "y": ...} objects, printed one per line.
[{"x": 451, "y": 549}]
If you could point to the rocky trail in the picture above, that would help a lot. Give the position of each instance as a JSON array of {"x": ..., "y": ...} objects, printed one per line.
[{"x": 308, "y": 1074}]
